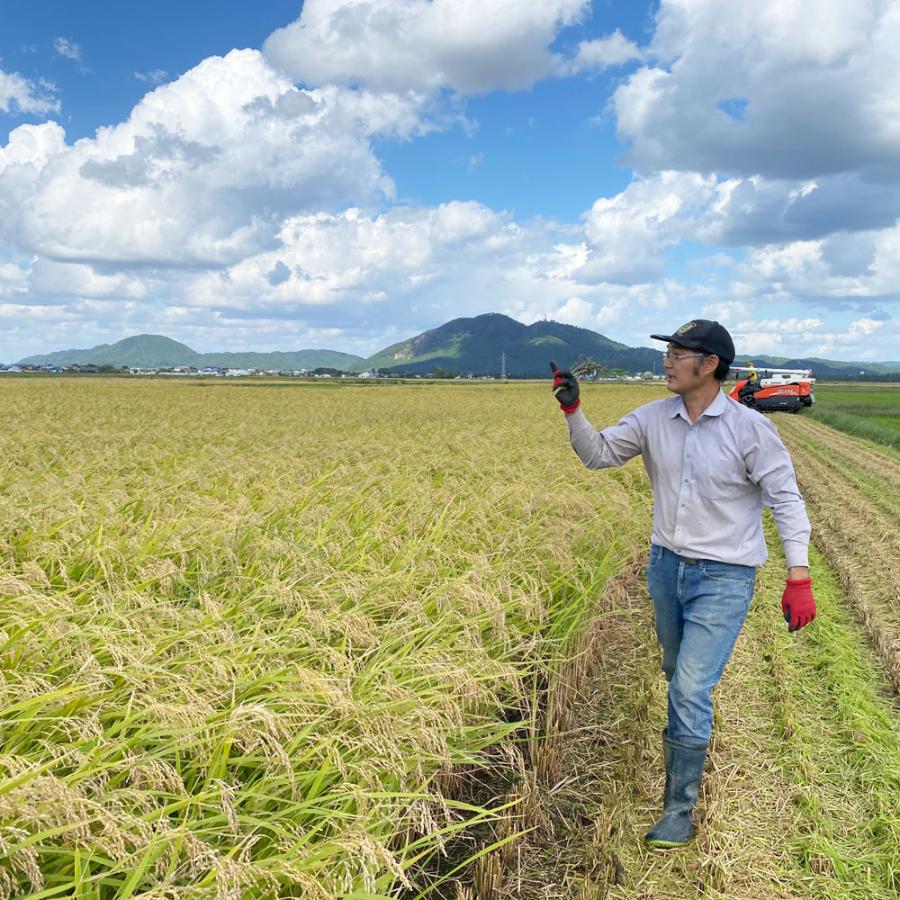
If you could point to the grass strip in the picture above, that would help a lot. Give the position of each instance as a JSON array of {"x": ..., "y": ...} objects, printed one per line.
[{"x": 879, "y": 430}]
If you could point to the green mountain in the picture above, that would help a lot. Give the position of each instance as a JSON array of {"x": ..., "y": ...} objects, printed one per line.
[
  {"x": 142, "y": 350},
  {"x": 463, "y": 345},
  {"x": 155, "y": 351},
  {"x": 475, "y": 345},
  {"x": 285, "y": 360}
]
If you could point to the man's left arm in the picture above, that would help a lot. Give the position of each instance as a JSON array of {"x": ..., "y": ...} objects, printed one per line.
[{"x": 769, "y": 466}]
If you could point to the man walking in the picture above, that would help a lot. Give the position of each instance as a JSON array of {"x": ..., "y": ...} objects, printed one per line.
[{"x": 713, "y": 464}]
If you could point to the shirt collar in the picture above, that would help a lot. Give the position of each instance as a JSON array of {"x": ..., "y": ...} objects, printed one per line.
[{"x": 716, "y": 408}]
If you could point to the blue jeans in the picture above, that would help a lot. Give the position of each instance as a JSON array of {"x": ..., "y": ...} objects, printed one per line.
[{"x": 700, "y": 609}]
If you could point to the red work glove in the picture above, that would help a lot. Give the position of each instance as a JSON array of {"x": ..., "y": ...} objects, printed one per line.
[
  {"x": 798, "y": 603},
  {"x": 565, "y": 389}
]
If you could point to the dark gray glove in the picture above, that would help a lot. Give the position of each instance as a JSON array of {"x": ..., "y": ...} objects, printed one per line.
[{"x": 565, "y": 388}]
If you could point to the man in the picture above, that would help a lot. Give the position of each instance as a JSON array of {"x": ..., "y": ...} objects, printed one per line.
[
  {"x": 713, "y": 465},
  {"x": 751, "y": 385}
]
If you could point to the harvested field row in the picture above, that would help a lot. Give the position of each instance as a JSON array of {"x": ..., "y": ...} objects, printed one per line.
[
  {"x": 802, "y": 779},
  {"x": 871, "y": 486},
  {"x": 862, "y": 542},
  {"x": 853, "y": 452},
  {"x": 844, "y": 512}
]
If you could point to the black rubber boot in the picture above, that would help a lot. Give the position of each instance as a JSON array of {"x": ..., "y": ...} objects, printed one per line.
[{"x": 684, "y": 771}]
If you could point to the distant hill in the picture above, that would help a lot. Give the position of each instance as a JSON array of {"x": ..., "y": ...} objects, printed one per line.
[
  {"x": 157, "y": 351},
  {"x": 471, "y": 345},
  {"x": 476, "y": 344},
  {"x": 142, "y": 350}
]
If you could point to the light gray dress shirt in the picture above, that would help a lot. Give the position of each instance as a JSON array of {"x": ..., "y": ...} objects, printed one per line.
[{"x": 710, "y": 479}]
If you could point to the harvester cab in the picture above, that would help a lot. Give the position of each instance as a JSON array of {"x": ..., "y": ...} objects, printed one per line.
[{"x": 768, "y": 390}]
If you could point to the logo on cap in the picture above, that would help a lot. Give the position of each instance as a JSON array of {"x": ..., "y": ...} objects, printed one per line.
[{"x": 686, "y": 327}]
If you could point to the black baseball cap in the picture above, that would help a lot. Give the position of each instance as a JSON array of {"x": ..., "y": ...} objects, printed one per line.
[{"x": 702, "y": 334}]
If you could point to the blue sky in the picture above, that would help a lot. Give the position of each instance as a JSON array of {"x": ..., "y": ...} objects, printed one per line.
[
  {"x": 117, "y": 40},
  {"x": 346, "y": 173}
]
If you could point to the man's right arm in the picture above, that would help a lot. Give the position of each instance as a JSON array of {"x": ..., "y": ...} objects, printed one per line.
[{"x": 612, "y": 446}]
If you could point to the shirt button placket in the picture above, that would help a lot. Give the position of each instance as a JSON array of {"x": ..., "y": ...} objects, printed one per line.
[{"x": 684, "y": 488}]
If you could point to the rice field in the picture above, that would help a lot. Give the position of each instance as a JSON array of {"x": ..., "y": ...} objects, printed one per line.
[{"x": 286, "y": 640}]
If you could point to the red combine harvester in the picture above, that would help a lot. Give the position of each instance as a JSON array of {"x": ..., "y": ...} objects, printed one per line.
[{"x": 768, "y": 390}]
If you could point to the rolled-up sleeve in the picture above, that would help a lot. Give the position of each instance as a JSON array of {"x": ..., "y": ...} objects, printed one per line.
[
  {"x": 612, "y": 446},
  {"x": 769, "y": 466}
]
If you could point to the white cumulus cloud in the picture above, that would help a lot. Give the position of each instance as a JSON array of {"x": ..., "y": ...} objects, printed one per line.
[
  {"x": 865, "y": 326},
  {"x": 469, "y": 46},
  {"x": 326, "y": 259},
  {"x": 202, "y": 171},
  {"x": 629, "y": 233},
  {"x": 781, "y": 88},
  {"x": 576, "y": 311}
]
